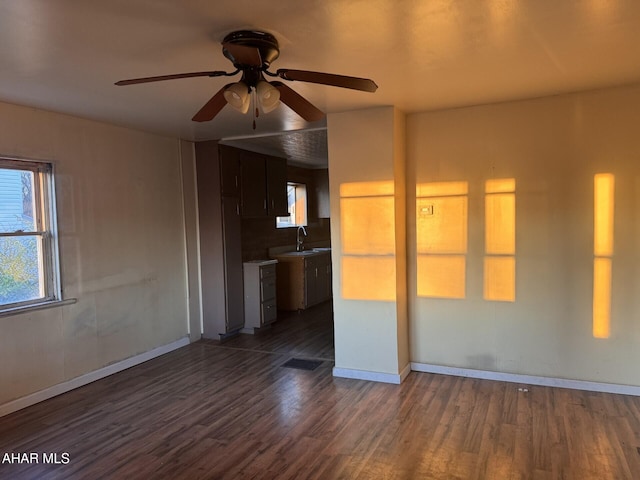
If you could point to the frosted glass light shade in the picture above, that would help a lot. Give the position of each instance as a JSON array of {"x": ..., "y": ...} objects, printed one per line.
[
  {"x": 237, "y": 95},
  {"x": 268, "y": 96}
]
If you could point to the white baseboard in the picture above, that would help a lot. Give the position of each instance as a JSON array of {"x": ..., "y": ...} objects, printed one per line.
[
  {"x": 528, "y": 379},
  {"x": 372, "y": 376},
  {"x": 32, "y": 399}
]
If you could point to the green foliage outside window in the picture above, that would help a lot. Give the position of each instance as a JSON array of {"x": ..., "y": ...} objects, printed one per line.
[{"x": 19, "y": 277}]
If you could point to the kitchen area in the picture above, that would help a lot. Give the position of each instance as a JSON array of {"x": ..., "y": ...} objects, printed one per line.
[{"x": 258, "y": 263}]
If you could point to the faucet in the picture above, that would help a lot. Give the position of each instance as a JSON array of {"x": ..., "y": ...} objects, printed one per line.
[{"x": 298, "y": 239}]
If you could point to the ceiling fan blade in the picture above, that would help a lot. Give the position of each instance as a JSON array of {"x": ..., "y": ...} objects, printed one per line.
[
  {"x": 243, "y": 55},
  {"x": 343, "y": 81},
  {"x": 297, "y": 103},
  {"x": 212, "y": 107},
  {"x": 160, "y": 78}
]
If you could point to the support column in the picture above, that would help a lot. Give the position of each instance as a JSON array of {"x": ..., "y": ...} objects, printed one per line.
[{"x": 368, "y": 238}]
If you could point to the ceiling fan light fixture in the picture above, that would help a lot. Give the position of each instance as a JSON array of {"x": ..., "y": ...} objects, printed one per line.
[
  {"x": 268, "y": 96},
  {"x": 237, "y": 95},
  {"x": 252, "y": 52}
]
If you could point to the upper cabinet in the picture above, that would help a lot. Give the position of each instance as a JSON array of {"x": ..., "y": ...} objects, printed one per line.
[
  {"x": 229, "y": 171},
  {"x": 263, "y": 185},
  {"x": 321, "y": 179},
  {"x": 277, "y": 204},
  {"x": 253, "y": 184}
]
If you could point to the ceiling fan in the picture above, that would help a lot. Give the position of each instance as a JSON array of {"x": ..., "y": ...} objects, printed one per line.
[{"x": 251, "y": 53}]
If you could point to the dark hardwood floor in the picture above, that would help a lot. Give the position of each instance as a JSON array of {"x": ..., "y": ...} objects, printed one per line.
[
  {"x": 232, "y": 411},
  {"x": 307, "y": 334}
]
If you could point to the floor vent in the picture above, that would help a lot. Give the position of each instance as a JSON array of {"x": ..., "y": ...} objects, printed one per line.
[{"x": 302, "y": 364}]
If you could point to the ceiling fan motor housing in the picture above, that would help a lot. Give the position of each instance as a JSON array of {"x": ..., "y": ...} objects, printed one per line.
[{"x": 264, "y": 42}]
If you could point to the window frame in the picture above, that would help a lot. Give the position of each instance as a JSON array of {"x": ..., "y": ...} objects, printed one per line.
[{"x": 45, "y": 220}]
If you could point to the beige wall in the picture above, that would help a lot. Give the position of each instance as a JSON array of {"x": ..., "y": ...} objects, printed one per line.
[
  {"x": 122, "y": 249},
  {"x": 367, "y": 239},
  {"x": 552, "y": 147}
]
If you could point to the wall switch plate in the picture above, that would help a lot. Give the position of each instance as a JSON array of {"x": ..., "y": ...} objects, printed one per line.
[{"x": 427, "y": 210}]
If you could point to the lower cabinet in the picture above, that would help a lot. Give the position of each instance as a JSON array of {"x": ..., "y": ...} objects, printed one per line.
[
  {"x": 317, "y": 279},
  {"x": 260, "y": 307},
  {"x": 303, "y": 280}
]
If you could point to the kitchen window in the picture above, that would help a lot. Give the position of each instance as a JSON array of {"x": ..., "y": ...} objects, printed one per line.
[
  {"x": 297, "y": 206},
  {"x": 29, "y": 270}
]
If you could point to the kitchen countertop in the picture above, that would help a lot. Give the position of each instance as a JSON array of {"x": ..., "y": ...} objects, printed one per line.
[
  {"x": 311, "y": 246},
  {"x": 263, "y": 262},
  {"x": 304, "y": 253}
]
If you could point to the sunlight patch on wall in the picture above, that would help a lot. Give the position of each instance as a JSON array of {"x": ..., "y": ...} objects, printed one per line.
[
  {"x": 500, "y": 185},
  {"x": 367, "y": 225},
  {"x": 604, "y": 186},
  {"x": 603, "y": 215},
  {"x": 500, "y": 240},
  {"x": 367, "y": 189},
  {"x": 441, "y": 239},
  {"x": 441, "y": 189},
  {"x": 441, "y": 276},
  {"x": 601, "y": 297},
  {"x": 442, "y": 225},
  {"x": 499, "y": 278},
  {"x": 369, "y": 278},
  {"x": 367, "y": 219}
]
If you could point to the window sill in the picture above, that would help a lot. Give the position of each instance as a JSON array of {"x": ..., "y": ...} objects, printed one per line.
[{"x": 37, "y": 306}]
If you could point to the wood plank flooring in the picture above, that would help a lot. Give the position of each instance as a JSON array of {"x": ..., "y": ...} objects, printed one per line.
[
  {"x": 231, "y": 411},
  {"x": 307, "y": 333}
]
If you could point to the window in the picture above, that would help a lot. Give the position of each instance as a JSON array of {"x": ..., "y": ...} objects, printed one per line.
[
  {"x": 28, "y": 246},
  {"x": 297, "y": 200}
]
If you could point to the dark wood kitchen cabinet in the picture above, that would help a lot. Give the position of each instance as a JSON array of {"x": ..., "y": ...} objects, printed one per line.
[
  {"x": 232, "y": 245},
  {"x": 263, "y": 185},
  {"x": 317, "y": 278},
  {"x": 277, "y": 204},
  {"x": 220, "y": 241},
  {"x": 229, "y": 170},
  {"x": 321, "y": 180},
  {"x": 253, "y": 185},
  {"x": 303, "y": 279},
  {"x": 232, "y": 183}
]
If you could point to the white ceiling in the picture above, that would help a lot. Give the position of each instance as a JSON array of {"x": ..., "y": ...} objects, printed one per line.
[{"x": 65, "y": 55}]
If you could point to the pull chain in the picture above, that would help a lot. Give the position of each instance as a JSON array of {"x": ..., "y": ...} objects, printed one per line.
[{"x": 256, "y": 113}]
